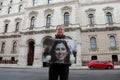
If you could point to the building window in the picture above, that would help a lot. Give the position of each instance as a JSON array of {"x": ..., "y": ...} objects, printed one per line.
[
  {"x": 17, "y": 27},
  {"x": 91, "y": 19},
  {"x": 0, "y": 9},
  {"x": 66, "y": 19},
  {"x": 14, "y": 47},
  {"x": 112, "y": 42},
  {"x": 1, "y": 3},
  {"x": 20, "y": 8},
  {"x": 34, "y": 2},
  {"x": 9, "y": 10},
  {"x": 109, "y": 18},
  {"x": 32, "y": 24},
  {"x": 6, "y": 28},
  {"x": 12, "y": 58},
  {"x": 48, "y": 20},
  {"x": 3, "y": 47},
  {"x": 0, "y": 58},
  {"x": 11, "y": 1},
  {"x": 93, "y": 44},
  {"x": 49, "y": 1}
]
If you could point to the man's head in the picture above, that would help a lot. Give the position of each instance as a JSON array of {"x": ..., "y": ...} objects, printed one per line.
[{"x": 60, "y": 30}]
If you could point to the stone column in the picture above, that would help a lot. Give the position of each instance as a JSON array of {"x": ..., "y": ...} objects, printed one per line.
[
  {"x": 22, "y": 61},
  {"x": 78, "y": 54},
  {"x": 38, "y": 56}
]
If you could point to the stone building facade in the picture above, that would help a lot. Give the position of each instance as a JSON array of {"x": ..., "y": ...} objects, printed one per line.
[{"x": 27, "y": 24}]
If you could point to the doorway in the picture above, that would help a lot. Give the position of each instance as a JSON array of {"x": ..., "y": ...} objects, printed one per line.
[{"x": 30, "y": 57}]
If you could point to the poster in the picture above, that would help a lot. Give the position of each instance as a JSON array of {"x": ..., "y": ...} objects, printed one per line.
[{"x": 60, "y": 51}]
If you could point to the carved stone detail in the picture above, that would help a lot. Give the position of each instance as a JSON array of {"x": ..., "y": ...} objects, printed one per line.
[
  {"x": 6, "y": 21},
  {"x": 108, "y": 9},
  {"x": 33, "y": 13},
  {"x": 48, "y": 11},
  {"x": 66, "y": 9},
  {"x": 90, "y": 11},
  {"x": 18, "y": 19}
]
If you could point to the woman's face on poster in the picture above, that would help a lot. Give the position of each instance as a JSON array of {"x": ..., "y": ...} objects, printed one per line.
[{"x": 61, "y": 51}]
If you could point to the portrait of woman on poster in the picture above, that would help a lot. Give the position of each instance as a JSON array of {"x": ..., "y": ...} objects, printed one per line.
[{"x": 60, "y": 52}]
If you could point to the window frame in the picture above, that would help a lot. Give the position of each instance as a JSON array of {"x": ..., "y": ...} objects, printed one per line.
[
  {"x": 66, "y": 18},
  {"x": 93, "y": 43}
]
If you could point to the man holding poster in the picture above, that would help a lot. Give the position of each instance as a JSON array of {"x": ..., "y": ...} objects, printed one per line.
[
  {"x": 60, "y": 51},
  {"x": 59, "y": 63}
]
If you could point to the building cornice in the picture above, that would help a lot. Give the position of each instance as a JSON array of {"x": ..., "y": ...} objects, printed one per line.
[
  {"x": 47, "y": 31},
  {"x": 101, "y": 29},
  {"x": 51, "y": 5},
  {"x": 10, "y": 36},
  {"x": 99, "y": 3},
  {"x": 11, "y": 15}
]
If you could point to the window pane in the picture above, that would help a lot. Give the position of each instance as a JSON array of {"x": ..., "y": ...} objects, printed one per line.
[
  {"x": 91, "y": 18},
  {"x": 112, "y": 41},
  {"x": 66, "y": 19},
  {"x": 48, "y": 21},
  {"x": 17, "y": 27},
  {"x": 93, "y": 42},
  {"x": 32, "y": 22},
  {"x": 109, "y": 18}
]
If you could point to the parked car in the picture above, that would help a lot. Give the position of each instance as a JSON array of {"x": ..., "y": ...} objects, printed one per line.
[{"x": 97, "y": 64}]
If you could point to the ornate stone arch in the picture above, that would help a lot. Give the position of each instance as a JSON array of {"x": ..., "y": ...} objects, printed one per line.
[
  {"x": 66, "y": 9},
  {"x": 45, "y": 39},
  {"x": 90, "y": 11},
  {"x": 18, "y": 20},
  {"x": 33, "y": 13},
  {"x": 48, "y": 11},
  {"x": 6, "y": 21},
  {"x": 108, "y": 9},
  {"x": 29, "y": 40}
]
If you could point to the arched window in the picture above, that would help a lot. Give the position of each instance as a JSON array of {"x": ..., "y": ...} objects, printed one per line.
[
  {"x": 112, "y": 42},
  {"x": 109, "y": 18},
  {"x": 11, "y": 1},
  {"x": 66, "y": 19},
  {"x": 6, "y": 28},
  {"x": 17, "y": 27},
  {"x": 91, "y": 19},
  {"x": 20, "y": 8},
  {"x": 32, "y": 24},
  {"x": 93, "y": 43},
  {"x": 14, "y": 46},
  {"x": 48, "y": 20},
  {"x": 9, "y": 10},
  {"x": 49, "y": 1},
  {"x": 3, "y": 47},
  {"x": 34, "y": 2}
]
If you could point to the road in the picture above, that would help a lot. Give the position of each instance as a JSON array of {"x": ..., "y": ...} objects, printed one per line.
[{"x": 42, "y": 74}]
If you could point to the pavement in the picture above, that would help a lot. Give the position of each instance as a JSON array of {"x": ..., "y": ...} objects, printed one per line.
[{"x": 73, "y": 67}]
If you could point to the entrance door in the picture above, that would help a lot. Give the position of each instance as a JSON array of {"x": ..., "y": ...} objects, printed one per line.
[{"x": 30, "y": 53}]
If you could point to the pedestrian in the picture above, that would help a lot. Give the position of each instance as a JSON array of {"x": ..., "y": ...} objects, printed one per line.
[{"x": 59, "y": 68}]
